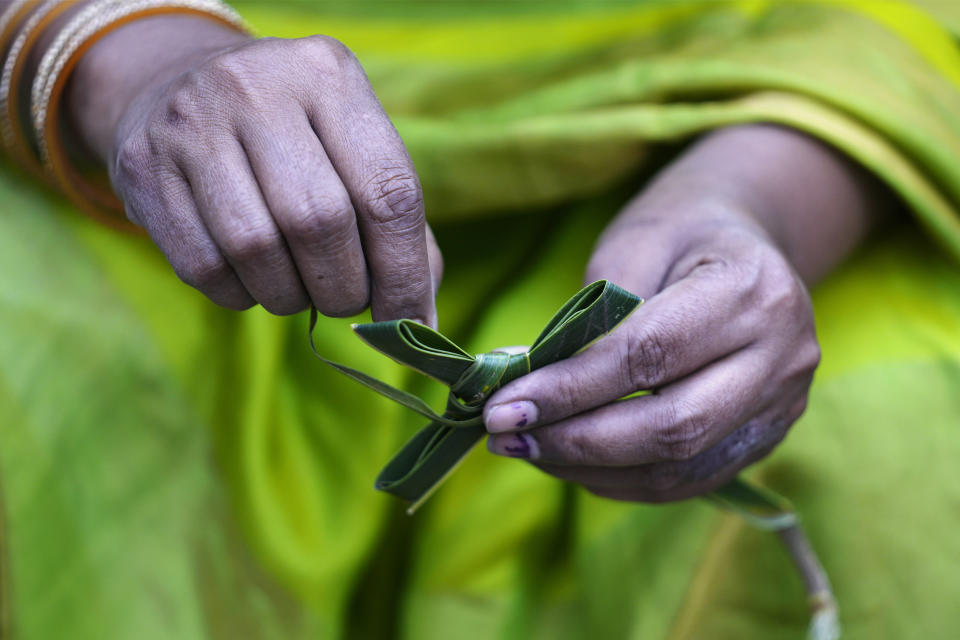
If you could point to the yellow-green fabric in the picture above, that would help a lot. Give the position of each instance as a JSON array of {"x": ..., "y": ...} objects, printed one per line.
[{"x": 169, "y": 469}]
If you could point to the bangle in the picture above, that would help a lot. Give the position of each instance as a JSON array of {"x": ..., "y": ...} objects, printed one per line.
[
  {"x": 93, "y": 195},
  {"x": 11, "y": 19},
  {"x": 15, "y": 139}
]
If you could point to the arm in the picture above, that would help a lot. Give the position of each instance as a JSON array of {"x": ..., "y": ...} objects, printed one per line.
[{"x": 727, "y": 236}]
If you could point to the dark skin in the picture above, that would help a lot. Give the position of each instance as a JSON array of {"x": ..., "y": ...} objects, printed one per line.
[
  {"x": 265, "y": 170},
  {"x": 732, "y": 233}
]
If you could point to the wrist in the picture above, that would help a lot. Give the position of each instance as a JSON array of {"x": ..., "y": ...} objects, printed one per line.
[
  {"x": 691, "y": 210},
  {"x": 130, "y": 62},
  {"x": 808, "y": 200}
]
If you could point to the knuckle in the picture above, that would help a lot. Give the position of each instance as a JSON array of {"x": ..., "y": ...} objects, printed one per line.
[
  {"x": 395, "y": 201},
  {"x": 156, "y": 138},
  {"x": 159, "y": 140},
  {"x": 191, "y": 121},
  {"x": 268, "y": 45},
  {"x": 232, "y": 75},
  {"x": 312, "y": 216},
  {"x": 682, "y": 437},
  {"x": 781, "y": 293},
  {"x": 202, "y": 270},
  {"x": 783, "y": 300},
  {"x": 133, "y": 163},
  {"x": 811, "y": 355},
  {"x": 797, "y": 409},
  {"x": 576, "y": 447},
  {"x": 182, "y": 109},
  {"x": 801, "y": 363},
  {"x": 249, "y": 242},
  {"x": 324, "y": 45},
  {"x": 328, "y": 55},
  {"x": 758, "y": 437},
  {"x": 645, "y": 358}
]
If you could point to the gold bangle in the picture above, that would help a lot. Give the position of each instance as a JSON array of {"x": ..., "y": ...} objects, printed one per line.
[
  {"x": 94, "y": 196},
  {"x": 15, "y": 138},
  {"x": 11, "y": 19}
]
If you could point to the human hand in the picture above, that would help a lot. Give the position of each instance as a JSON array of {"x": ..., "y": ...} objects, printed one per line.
[
  {"x": 267, "y": 172},
  {"x": 725, "y": 340}
]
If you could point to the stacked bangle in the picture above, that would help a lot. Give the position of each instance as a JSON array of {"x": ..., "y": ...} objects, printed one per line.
[
  {"x": 15, "y": 139},
  {"x": 92, "y": 22},
  {"x": 11, "y": 19}
]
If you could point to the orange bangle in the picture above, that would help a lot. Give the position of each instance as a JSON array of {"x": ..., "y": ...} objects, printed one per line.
[
  {"x": 92, "y": 193},
  {"x": 11, "y": 19},
  {"x": 15, "y": 139}
]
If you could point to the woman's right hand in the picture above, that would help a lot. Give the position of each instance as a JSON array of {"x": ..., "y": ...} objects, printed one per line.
[{"x": 267, "y": 172}]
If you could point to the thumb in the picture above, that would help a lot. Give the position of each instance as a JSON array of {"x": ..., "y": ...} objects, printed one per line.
[{"x": 637, "y": 258}]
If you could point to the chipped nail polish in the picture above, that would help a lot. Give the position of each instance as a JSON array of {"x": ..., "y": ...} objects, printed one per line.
[
  {"x": 518, "y": 445},
  {"x": 514, "y": 415}
]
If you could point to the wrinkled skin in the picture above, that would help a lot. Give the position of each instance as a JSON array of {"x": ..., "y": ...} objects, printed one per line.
[
  {"x": 267, "y": 172},
  {"x": 726, "y": 340},
  {"x": 720, "y": 245}
]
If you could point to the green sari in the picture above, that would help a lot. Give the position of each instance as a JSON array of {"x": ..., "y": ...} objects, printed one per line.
[{"x": 169, "y": 469}]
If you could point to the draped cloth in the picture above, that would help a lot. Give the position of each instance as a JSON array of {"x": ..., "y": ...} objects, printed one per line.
[{"x": 169, "y": 469}]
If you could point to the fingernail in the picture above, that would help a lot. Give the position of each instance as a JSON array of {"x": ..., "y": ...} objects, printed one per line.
[
  {"x": 513, "y": 415},
  {"x": 517, "y": 445}
]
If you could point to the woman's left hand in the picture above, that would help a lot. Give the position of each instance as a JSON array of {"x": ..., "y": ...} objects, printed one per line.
[{"x": 725, "y": 342}]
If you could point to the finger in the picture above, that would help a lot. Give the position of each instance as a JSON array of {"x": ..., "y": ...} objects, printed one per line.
[
  {"x": 677, "y": 423},
  {"x": 675, "y": 480},
  {"x": 666, "y": 485},
  {"x": 169, "y": 215},
  {"x": 234, "y": 212},
  {"x": 378, "y": 173},
  {"x": 690, "y": 324},
  {"x": 312, "y": 208}
]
